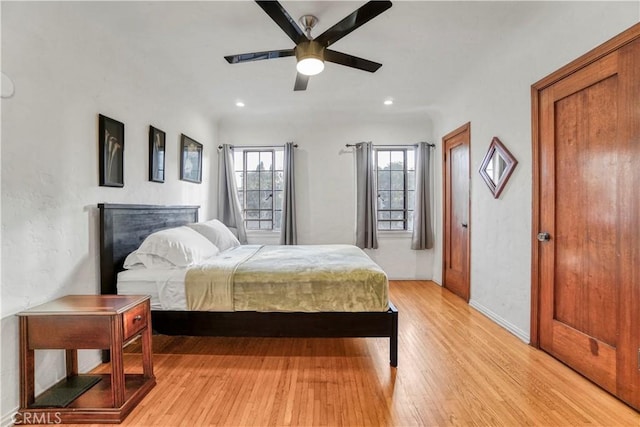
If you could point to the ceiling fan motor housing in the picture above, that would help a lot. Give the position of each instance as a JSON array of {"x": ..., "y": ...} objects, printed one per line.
[{"x": 309, "y": 49}]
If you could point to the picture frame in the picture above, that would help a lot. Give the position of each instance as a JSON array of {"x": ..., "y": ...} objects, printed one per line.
[
  {"x": 111, "y": 152},
  {"x": 157, "y": 149},
  {"x": 190, "y": 160}
]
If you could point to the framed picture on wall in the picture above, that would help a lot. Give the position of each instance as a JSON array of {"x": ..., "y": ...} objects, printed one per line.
[
  {"x": 111, "y": 152},
  {"x": 190, "y": 160},
  {"x": 157, "y": 140}
]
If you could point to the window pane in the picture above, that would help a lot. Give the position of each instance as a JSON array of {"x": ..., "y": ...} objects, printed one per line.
[
  {"x": 241, "y": 197},
  {"x": 279, "y": 155},
  {"x": 397, "y": 225},
  {"x": 384, "y": 180},
  {"x": 266, "y": 181},
  {"x": 278, "y": 200},
  {"x": 240, "y": 180},
  {"x": 253, "y": 199},
  {"x": 410, "y": 224},
  {"x": 266, "y": 160},
  {"x": 253, "y": 181},
  {"x": 266, "y": 225},
  {"x": 384, "y": 215},
  {"x": 411, "y": 180},
  {"x": 253, "y": 161},
  {"x": 266, "y": 215},
  {"x": 383, "y": 159},
  {"x": 252, "y": 214},
  {"x": 279, "y": 184},
  {"x": 397, "y": 215},
  {"x": 411, "y": 200},
  {"x": 266, "y": 199},
  {"x": 384, "y": 199},
  {"x": 397, "y": 160},
  {"x": 237, "y": 161},
  {"x": 397, "y": 200},
  {"x": 384, "y": 225},
  {"x": 397, "y": 180},
  {"x": 411, "y": 160},
  {"x": 253, "y": 225},
  {"x": 277, "y": 220}
]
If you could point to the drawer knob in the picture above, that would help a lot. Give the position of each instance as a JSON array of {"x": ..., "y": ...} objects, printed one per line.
[{"x": 138, "y": 317}]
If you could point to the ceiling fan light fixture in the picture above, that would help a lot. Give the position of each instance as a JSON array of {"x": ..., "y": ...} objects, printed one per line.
[
  {"x": 310, "y": 66},
  {"x": 310, "y": 57}
]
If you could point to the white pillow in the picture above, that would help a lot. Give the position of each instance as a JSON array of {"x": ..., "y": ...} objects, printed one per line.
[
  {"x": 133, "y": 261},
  {"x": 217, "y": 233},
  {"x": 179, "y": 247}
]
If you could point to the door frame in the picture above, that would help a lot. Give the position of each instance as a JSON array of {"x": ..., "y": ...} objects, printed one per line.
[
  {"x": 464, "y": 128},
  {"x": 593, "y": 55}
]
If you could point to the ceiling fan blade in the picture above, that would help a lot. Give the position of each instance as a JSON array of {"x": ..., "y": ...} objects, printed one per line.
[
  {"x": 301, "y": 82},
  {"x": 351, "y": 61},
  {"x": 280, "y": 16},
  {"x": 361, "y": 16},
  {"x": 257, "y": 56}
]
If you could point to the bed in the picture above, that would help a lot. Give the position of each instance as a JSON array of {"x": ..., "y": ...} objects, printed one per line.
[{"x": 124, "y": 227}]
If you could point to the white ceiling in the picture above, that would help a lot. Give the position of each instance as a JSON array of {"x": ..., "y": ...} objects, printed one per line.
[{"x": 425, "y": 48}]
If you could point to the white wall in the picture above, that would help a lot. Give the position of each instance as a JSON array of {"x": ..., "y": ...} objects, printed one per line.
[
  {"x": 325, "y": 180},
  {"x": 495, "y": 98},
  {"x": 65, "y": 74}
]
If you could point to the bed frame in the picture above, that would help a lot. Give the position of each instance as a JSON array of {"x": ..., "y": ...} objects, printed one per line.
[{"x": 124, "y": 227}]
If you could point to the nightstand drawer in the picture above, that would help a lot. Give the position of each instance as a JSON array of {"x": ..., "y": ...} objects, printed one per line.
[{"x": 134, "y": 320}]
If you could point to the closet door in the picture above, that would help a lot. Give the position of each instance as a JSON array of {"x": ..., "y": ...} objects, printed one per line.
[{"x": 588, "y": 219}]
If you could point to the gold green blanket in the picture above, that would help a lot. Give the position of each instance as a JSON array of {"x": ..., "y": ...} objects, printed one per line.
[{"x": 304, "y": 278}]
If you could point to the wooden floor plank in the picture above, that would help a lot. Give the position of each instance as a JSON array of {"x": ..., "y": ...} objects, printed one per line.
[{"x": 456, "y": 367}]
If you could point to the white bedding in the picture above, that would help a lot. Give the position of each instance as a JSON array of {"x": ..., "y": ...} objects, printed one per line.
[
  {"x": 268, "y": 278},
  {"x": 165, "y": 286}
]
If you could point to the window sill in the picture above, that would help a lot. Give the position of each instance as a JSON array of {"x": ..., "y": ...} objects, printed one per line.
[
  {"x": 394, "y": 234},
  {"x": 262, "y": 232}
]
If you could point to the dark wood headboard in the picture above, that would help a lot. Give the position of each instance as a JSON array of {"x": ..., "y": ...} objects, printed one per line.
[{"x": 124, "y": 227}]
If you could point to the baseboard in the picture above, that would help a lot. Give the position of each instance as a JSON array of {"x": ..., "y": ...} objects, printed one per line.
[
  {"x": 8, "y": 419},
  {"x": 501, "y": 321}
]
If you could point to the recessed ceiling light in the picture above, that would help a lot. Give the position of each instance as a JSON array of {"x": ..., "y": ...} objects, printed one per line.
[
  {"x": 239, "y": 104},
  {"x": 388, "y": 101}
]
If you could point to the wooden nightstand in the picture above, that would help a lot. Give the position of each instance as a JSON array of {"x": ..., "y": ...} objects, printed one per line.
[{"x": 85, "y": 322}]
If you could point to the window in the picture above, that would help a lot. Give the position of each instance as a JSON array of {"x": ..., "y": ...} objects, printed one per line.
[
  {"x": 259, "y": 176},
  {"x": 396, "y": 188}
]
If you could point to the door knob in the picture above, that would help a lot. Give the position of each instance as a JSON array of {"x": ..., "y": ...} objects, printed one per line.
[{"x": 544, "y": 237}]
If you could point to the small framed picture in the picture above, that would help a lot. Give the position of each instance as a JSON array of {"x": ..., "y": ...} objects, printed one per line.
[
  {"x": 157, "y": 140},
  {"x": 190, "y": 160},
  {"x": 111, "y": 152}
]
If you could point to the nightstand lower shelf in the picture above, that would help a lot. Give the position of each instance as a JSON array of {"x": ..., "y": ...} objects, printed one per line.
[{"x": 94, "y": 405}]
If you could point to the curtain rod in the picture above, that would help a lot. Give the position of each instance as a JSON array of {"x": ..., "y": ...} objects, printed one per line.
[
  {"x": 392, "y": 146},
  {"x": 257, "y": 146}
]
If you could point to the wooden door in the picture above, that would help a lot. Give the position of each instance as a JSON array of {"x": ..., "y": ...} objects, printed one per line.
[
  {"x": 456, "y": 253},
  {"x": 587, "y": 211}
]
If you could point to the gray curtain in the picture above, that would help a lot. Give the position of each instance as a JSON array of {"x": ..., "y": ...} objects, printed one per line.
[
  {"x": 366, "y": 197},
  {"x": 288, "y": 231},
  {"x": 422, "y": 237},
  {"x": 229, "y": 210}
]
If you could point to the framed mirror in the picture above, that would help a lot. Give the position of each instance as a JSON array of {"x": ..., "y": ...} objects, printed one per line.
[{"x": 497, "y": 166}]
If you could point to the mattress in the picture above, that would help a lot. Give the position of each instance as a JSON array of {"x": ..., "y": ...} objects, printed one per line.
[{"x": 305, "y": 278}]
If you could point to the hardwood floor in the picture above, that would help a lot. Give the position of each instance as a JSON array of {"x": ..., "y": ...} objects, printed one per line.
[{"x": 456, "y": 367}]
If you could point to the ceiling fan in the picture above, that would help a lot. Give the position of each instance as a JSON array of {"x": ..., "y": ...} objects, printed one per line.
[{"x": 311, "y": 52}]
